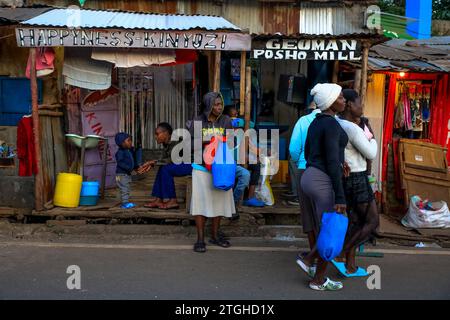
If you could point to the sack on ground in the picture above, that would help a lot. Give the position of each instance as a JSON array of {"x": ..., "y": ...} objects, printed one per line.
[
  {"x": 416, "y": 217},
  {"x": 332, "y": 235}
]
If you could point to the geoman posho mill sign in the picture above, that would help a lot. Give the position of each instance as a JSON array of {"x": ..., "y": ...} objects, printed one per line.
[
  {"x": 307, "y": 49},
  {"x": 113, "y": 38}
]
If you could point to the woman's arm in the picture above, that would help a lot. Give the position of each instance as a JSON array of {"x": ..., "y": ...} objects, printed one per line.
[{"x": 359, "y": 140}]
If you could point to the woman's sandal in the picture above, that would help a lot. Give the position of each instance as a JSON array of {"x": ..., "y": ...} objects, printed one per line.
[
  {"x": 168, "y": 207},
  {"x": 200, "y": 247},
  {"x": 152, "y": 205},
  {"x": 220, "y": 242}
]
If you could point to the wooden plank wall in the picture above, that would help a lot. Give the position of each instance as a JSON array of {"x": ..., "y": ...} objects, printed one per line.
[{"x": 53, "y": 151}]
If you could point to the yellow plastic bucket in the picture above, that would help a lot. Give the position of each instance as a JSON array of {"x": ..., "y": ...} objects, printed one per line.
[{"x": 67, "y": 190}]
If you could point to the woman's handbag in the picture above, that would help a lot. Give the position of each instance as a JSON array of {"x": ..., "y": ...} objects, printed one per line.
[{"x": 332, "y": 235}]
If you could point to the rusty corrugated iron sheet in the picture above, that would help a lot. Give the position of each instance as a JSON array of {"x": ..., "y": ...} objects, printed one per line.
[
  {"x": 333, "y": 18},
  {"x": 255, "y": 16},
  {"x": 167, "y": 6},
  {"x": 432, "y": 55}
]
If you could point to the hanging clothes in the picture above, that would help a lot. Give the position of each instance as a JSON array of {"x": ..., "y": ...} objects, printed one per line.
[
  {"x": 399, "y": 116},
  {"x": 407, "y": 111},
  {"x": 45, "y": 58},
  {"x": 123, "y": 58},
  {"x": 25, "y": 147},
  {"x": 81, "y": 71}
]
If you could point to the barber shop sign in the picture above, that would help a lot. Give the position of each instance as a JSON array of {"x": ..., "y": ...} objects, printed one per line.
[{"x": 308, "y": 49}]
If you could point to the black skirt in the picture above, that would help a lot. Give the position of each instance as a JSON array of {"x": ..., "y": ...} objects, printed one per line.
[{"x": 357, "y": 189}]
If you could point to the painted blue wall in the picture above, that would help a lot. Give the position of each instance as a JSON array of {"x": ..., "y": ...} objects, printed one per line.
[{"x": 420, "y": 10}]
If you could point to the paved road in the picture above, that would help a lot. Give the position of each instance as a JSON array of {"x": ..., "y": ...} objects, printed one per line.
[{"x": 170, "y": 270}]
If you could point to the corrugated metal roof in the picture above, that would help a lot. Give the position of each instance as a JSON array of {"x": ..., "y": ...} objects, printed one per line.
[
  {"x": 429, "y": 55},
  {"x": 105, "y": 19},
  {"x": 377, "y": 64},
  {"x": 333, "y": 18},
  {"x": 15, "y": 15}
]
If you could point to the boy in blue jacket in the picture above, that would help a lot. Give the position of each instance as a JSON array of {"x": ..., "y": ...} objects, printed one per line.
[{"x": 126, "y": 164}]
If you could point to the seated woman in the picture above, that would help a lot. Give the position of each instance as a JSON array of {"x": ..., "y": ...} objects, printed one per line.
[{"x": 164, "y": 186}]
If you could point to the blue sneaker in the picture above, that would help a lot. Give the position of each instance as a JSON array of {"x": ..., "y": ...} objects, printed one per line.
[
  {"x": 253, "y": 202},
  {"x": 128, "y": 205}
]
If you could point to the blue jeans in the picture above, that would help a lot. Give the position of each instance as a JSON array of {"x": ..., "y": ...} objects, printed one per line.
[
  {"x": 164, "y": 186},
  {"x": 243, "y": 180}
]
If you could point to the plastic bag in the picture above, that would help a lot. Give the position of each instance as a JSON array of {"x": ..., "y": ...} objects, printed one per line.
[
  {"x": 223, "y": 168},
  {"x": 332, "y": 235},
  {"x": 422, "y": 218},
  {"x": 263, "y": 191}
]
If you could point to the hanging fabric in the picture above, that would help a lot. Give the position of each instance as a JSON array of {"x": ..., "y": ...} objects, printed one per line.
[
  {"x": 81, "y": 71},
  {"x": 45, "y": 58},
  {"x": 407, "y": 110},
  {"x": 125, "y": 58},
  {"x": 25, "y": 147}
]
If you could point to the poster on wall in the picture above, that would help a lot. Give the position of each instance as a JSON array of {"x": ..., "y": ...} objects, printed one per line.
[{"x": 100, "y": 116}]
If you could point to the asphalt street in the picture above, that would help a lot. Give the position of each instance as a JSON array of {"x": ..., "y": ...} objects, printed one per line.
[{"x": 170, "y": 270}]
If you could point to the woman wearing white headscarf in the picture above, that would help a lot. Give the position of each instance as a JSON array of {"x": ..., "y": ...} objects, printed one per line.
[{"x": 322, "y": 180}]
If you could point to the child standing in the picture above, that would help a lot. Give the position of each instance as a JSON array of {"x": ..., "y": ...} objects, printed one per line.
[{"x": 126, "y": 164}]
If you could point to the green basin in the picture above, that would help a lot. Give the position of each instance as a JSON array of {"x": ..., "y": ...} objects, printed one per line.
[{"x": 90, "y": 140}]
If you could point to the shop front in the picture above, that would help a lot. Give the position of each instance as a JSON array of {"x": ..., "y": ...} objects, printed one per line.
[
  {"x": 125, "y": 72},
  {"x": 411, "y": 90}
]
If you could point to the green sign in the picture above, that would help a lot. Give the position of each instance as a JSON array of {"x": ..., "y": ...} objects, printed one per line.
[{"x": 82, "y": 2}]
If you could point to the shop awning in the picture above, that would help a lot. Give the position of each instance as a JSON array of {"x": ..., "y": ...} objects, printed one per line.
[{"x": 119, "y": 29}]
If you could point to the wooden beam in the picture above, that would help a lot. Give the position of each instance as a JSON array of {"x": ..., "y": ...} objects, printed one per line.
[
  {"x": 242, "y": 83},
  {"x": 365, "y": 59},
  {"x": 38, "y": 179},
  {"x": 216, "y": 82},
  {"x": 49, "y": 113}
]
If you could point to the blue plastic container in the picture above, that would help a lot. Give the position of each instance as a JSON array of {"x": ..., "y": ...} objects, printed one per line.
[
  {"x": 89, "y": 193},
  {"x": 90, "y": 188},
  {"x": 88, "y": 200}
]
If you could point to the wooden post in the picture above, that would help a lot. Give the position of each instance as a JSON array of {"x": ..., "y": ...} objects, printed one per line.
[
  {"x": 216, "y": 84},
  {"x": 335, "y": 71},
  {"x": 242, "y": 84},
  {"x": 248, "y": 106},
  {"x": 38, "y": 178},
  {"x": 365, "y": 59},
  {"x": 248, "y": 96},
  {"x": 357, "y": 83},
  {"x": 105, "y": 164}
]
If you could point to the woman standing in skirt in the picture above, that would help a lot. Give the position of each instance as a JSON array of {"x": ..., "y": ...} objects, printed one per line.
[
  {"x": 322, "y": 180},
  {"x": 362, "y": 208},
  {"x": 207, "y": 201}
]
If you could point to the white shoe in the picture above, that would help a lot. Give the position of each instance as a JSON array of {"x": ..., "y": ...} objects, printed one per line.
[
  {"x": 310, "y": 271},
  {"x": 328, "y": 285}
]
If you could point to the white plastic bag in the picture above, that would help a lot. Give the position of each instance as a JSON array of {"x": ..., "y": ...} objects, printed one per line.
[
  {"x": 264, "y": 190},
  {"x": 421, "y": 218}
]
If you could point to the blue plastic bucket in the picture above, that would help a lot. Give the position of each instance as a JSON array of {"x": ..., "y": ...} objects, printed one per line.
[{"x": 90, "y": 188}]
